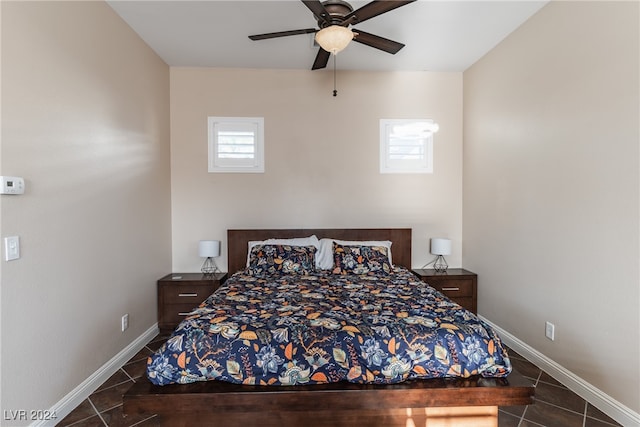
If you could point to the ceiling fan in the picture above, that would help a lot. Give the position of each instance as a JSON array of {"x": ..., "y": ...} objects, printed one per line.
[{"x": 334, "y": 17}]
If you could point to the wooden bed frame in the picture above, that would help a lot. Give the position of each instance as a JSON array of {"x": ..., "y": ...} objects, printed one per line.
[{"x": 436, "y": 402}]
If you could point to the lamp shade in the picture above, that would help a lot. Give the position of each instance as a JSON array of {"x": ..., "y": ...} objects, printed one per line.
[
  {"x": 334, "y": 38},
  {"x": 209, "y": 248},
  {"x": 440, "y": 246}
]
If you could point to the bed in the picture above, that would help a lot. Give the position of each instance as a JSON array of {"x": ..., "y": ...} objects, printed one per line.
[{"x": 328, "y": 387}]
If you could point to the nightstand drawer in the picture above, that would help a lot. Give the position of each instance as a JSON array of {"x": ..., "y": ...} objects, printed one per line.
[
  {"x": 187, "y": 294},
  {"x": 175, "y": 313},
  {"x": 453, "y": 288}
]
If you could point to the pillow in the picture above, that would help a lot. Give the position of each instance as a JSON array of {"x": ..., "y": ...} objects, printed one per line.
[
  {"x": 296, "y": 241},
  {"x": 324, "y": 257},
  {"x": 281, "y": 259},
  {"x": 360, "y": 259}
]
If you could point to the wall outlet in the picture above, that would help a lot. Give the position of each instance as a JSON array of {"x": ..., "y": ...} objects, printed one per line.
[
  {"x": 125, "y": 322},
  {"x": 550, "y": 330},
  {"x": 11, "y": 248}
]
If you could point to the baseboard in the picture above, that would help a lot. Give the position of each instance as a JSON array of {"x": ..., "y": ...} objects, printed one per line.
[
  {"x": 72, "y": 400},
  {"x": 616, "y": 410}
]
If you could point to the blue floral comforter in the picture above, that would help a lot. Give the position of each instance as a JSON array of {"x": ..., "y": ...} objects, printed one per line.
[{"x": 299, "y": 329}]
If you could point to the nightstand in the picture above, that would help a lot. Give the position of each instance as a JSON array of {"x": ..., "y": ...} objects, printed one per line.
[
  {"x": 180, "y": 293},
  {"x": 457, "y": 283}
]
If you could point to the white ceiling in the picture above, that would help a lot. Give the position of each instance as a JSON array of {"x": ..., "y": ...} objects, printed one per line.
[{"x": 439, "y": 35}]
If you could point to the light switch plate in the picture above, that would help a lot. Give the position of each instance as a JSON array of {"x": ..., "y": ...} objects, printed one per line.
[{"x": 11, "y": 248}]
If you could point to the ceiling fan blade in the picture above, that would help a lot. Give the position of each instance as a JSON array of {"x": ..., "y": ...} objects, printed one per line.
[
  {"x": 318, "y": 9},
  {"x": 375, "y": 8},
  {"x": 321, "y": 59},
  {"x": 282, "y": 34},
  {"x": 376, "y": 41}
]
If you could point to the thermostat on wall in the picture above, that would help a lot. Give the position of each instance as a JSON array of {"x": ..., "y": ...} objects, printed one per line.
[{"x": 12, "y": 185}]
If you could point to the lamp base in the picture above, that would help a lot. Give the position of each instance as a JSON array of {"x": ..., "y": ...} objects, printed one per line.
[
  {"x": 440, "y": 264},
  {"x": 209, "y": 267}
]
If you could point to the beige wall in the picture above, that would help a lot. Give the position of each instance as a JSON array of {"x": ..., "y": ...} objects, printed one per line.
[
  {"x": 322, "y": 165},
  {"x": 85, "y": 120},
  {"x": 551, "y": 186}
]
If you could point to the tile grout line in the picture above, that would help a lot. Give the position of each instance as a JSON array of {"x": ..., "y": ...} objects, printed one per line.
[
  {"x": 527, "y": 407},
  {"x": 586, "y": 408},
  {"x": 127, "y": 374},
  {"x": 142, "y": 421},
  {"x": 554, "y": 385},
  {"x": 585, "y": 415},
  {"x": 97, "y": 412},
  {"x": 150, "y": 350},
  {"x": 561, "y": 407},
  {"x": 112, "y": 408},
  {"x": 601, "y": 421},
  {"x": 79, "y": 421},
  {"x": 115, "y": 385}
]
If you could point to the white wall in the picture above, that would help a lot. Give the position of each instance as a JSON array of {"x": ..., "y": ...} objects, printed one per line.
[
  {"x": 551, "y": 188},
  {"x": 85, "y": 120},
  {"x": 322, "y": 165}
]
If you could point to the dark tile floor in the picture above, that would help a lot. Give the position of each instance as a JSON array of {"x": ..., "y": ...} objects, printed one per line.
[{"x": 556, "y": 406}]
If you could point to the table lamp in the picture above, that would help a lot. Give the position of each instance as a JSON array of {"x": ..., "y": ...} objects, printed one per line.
[
  {"x": 440, "y": 247},
  {"x": 209, "y": 249}
]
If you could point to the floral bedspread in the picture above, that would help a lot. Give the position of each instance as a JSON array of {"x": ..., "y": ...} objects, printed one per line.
[{"x": 299, "y": 329}]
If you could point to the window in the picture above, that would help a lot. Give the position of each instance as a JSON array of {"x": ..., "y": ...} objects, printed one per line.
[
  {"x": 236, "y": 144},
  {"x": 406, "y": 146}
]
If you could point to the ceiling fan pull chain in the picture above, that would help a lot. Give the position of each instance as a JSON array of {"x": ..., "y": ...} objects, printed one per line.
[{"x": 335, "y": 91}]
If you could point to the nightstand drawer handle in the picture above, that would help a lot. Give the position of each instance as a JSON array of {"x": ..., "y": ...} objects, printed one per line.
[
  {"x": 188, "y": 295},
  {"x": 451, "y": 289},
  {"x": 183, "y": 314}
]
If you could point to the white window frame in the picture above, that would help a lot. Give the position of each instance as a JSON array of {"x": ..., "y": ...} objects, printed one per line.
[
  {"x": 421, "y": 160},
  {"x": 254, "y": 162}
]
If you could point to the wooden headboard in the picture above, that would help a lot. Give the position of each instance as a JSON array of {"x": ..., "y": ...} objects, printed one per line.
[{"x": 238, "y": 240}]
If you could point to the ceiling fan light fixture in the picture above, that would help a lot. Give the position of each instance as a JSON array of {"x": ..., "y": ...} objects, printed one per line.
[{"x": 334, "y": 38}]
